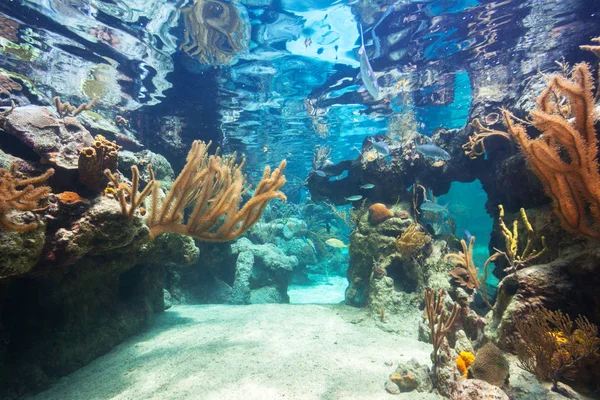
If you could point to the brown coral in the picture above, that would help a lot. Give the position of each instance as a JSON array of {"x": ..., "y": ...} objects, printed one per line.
[
  {"x": 128, "y": 196},
  {"x": 94, "y": 160},
  {"x": 20, "y": 195},
  {"x": 213, "y": 186},
  {"x": 379, "y": 212},
  {"x": 490, "y": 365},
  {"x": 411, "y": 240}
]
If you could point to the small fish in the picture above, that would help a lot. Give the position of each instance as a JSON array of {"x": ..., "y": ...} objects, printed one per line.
[
  {"x": 366, "y": 72},
  {"x": 468, "y": 235},
  {"x": 434, "y": 207},
  {"x": 431, "y": 151},
  {"x": 320, "y": 173},
  {"x": 367, "y": 186},
  {"x": 333, "y": 242},
  {"x": 307, "y": 42},
  {"x": 354, "y": 198},
  {"x": 381, "y": 147}
]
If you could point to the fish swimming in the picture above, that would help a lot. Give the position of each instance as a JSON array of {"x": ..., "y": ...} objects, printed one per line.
[
  {"x": 468, "y": 235},
  {"x": 366, "y": 72},
  {"x": 367, "y": 186},
  {"x": 431, "y": 151},
  {"x": 354, "y": 198},
  {"x": 320, "y": 173},
  {"x": 333, "y": 242},
  {"x": 381, "y": 147},
  {"x": 434, "y": 207}
]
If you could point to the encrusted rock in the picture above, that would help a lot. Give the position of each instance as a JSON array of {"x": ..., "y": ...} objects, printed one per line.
[
  {"x": 475, "y": 389},
  {"x": 20, "y": 251},
  {"x": 412, "y": 376},
  {"x": 57, "y": 141}
]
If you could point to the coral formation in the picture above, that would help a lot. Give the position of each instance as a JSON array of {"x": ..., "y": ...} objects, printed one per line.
[
  {"x": 20, "y": 195},
  {"x": 94, "y": 160},
  {"x": 7, "y": 85},
  {"x": 565, "y": 156},
  {"x": 551, "y": 346},
  {"x": 379, "y": 212},
  {"x": 440, "y": 324},
  {"x": 67, "y": 110},
  {"x": 215, "y": 31},
  {"x": 214, "y": 186},
  {"x": 464, "y": 361},
  {"x": 490, "y": 365},
  {"x": 412, "y": 239},
  {"x": 475, "y": 147},
  {"x": 129, "y": 194}
]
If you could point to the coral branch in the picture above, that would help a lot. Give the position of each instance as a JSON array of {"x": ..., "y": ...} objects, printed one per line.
[
  {"x": 125, "y": 193},
  {"x": 20, "y": 195},
  {"x": 214, "y": 186},
  {"x": 67, "y": 110},
  {"x": 439, "y": 325},
  {"x": 475, "y": 147},
  {"x": 564, "y": 157}
]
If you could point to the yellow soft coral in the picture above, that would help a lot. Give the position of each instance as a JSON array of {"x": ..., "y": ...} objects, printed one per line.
[{"x": 464, "y": 361}]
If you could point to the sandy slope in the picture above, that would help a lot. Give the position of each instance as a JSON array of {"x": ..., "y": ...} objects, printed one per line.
[{"x": 257, "y": 352}]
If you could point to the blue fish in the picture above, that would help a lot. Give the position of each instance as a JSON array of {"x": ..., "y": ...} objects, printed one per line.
[
  {"x": 381, "y": 147},
  {"x": 468, "y": 235},
  {"x": 366, "y": 72},
  {"x": 431, "y": 151}
]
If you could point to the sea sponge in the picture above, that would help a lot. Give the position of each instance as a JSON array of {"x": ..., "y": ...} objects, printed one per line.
[
  {"x": 379, "y": 212},
  {"x": 406, "y": 383},
  {"x": 464, "y": 361},
  {"x": 490, "y": 365},
  {"x": 70, "y": 198}
]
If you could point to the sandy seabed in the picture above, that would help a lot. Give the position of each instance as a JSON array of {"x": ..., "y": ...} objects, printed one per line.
[{"x": 255, "y": 352}]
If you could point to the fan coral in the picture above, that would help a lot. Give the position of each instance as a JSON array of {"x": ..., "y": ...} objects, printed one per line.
[
  {"x": 215, "y": 31},
  {"x": 490, "y": 365},
  {"x": 20, "y": 195},
  {"x": 378, "y": 212},
  {"x": 550, "y": 347},
  {"x": 464, "y": 361}
]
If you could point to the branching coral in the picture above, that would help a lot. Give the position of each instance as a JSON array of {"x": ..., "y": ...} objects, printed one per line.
[
  {"x": 215, "y": 31},
  {"x": 519, "y": 259},
  {"x": 20, "y": 195},
  {"x": 564, "y": 157},
  {"x": 439, "y": 323},
  {"x": 466, "y": 273},
  {"x": 129, "y": 194},
  {"x": 475, "y": 147},
  {"x": 412, "y": 239},
  {"x": 67, "y": 110},
  {"x": 551, "y": 345},
  {"x": 214, "y": 186}
]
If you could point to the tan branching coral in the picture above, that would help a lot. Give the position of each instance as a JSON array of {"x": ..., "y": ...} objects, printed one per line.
[
  {"x": 128, "y": 196},
  {"x": 20, "y": 195},
  {"x": 565, "y": 156},
  {"x": 551, "y": 345},
  {"x": 411, "y": 240},
  {"x": 439, "y": 323},
  {"x": 594, "y": 48},
  {"x": 94, "y": 160},
  {"x": 213, "y": 186},
  {"x": 519, "y": 259},
  {"x": 475, "y": 147},
  {"x": 67, "y": 110},
  {"x": 214, "y": 31}
]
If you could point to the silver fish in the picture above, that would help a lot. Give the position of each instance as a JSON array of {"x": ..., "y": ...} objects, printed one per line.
[
  {"x": 367, "y": 186},
  {"x": 354, "y": 198},
  {"x": 366, "y": 72},
  {"x": 432, "y": 151},
  {"x": 320, "y": 173},
  {"x": 381, "y": 148},
  {"x": 434, "y": 207}
]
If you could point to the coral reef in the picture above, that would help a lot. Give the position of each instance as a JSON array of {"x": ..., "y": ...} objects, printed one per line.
[
  {"x": 379, "y": 212},
  {"x": 67, "y": 110},
  {"x": 490, "y": 365},
  {"x": 412, "y": 239},
  {"x": 129, "y": 194}
]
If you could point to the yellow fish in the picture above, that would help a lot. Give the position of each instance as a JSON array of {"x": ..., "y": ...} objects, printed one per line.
[{"x": 333, "y": 242}]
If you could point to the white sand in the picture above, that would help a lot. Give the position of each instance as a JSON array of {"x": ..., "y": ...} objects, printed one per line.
[
  {"x": 331, "y": 291},
  {"x": 257, "y": 352}
]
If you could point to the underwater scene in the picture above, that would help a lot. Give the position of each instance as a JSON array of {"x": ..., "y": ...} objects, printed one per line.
[{"x": 299, "y": 199}]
